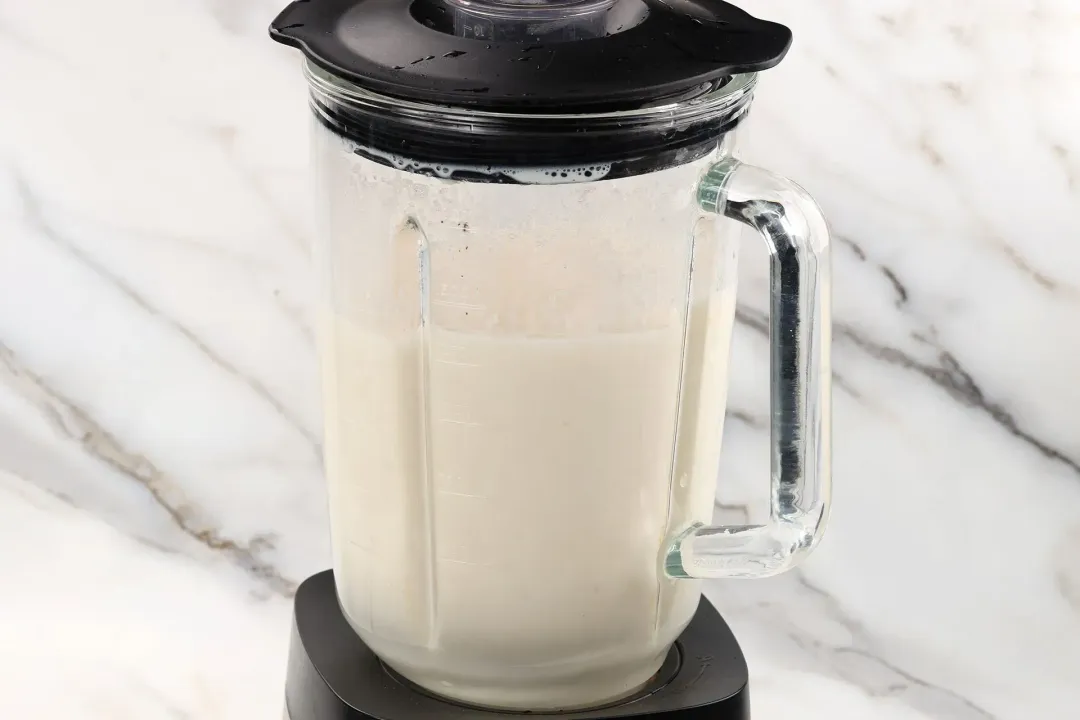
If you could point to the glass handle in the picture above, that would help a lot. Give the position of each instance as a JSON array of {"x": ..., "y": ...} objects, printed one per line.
[{"x": 800, "y": 379}]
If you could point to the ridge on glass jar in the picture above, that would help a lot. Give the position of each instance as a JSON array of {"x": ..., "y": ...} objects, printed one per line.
[{"x": 524, "y": 368}]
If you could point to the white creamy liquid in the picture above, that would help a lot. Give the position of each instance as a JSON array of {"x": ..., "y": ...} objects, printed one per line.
[{"x": 500, "y": 503}]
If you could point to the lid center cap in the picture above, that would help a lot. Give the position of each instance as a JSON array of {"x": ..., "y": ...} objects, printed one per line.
[{"x": 531, "y": 20}]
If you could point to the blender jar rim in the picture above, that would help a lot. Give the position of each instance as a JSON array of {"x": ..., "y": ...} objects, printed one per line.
[{"x": 729, "y": 95}]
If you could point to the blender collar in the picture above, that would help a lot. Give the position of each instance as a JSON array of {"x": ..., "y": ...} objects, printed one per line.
[{"x": 531, "y": 55}]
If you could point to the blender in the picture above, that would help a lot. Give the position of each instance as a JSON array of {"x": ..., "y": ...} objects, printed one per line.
[{"x": 527, "y": 273}]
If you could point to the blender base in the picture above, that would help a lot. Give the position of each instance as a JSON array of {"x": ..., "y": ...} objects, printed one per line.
[{"x": 333, "y": 675}]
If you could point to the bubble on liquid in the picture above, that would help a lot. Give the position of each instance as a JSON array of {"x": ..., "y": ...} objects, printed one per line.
[
  {"x": 557, "y": 176},
  {"x": 525, "y": 176}
]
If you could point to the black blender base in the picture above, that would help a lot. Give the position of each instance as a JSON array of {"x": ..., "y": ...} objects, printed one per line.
[{"x": 334, "y": 676}]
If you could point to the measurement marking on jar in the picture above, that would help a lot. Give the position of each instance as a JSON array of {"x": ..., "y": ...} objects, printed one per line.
[
  {"x": 461, "y": 494},
  {"x": 457, "y": 304},
  {"x": 448, "y": 354},
  {"x": 465, "y": 562},
  {"x": 456, "y": 291},
  {"x": 458, "y": 414},
  {"x": 457, "y": 363}
]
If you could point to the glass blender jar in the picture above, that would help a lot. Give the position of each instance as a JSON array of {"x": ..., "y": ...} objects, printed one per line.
[{"x": 527, "y": 299}]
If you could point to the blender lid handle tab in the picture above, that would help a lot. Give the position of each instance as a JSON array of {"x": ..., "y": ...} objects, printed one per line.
[{"x": 796, "y": 233}]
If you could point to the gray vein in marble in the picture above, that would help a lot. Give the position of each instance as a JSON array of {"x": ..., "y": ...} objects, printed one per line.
[
  {"x": 1021, "y": 262},
  {"x": 1064, "y": 158},
  {"x": 930, "y": 152},
  {"x": 213, "y": 246},
  {"x": 955, "y": 91},
  {"x": 746, "y": 419},
  {"x": 226, "y": 138},
  {"x": 210, "y": 248},
  {"x": 800, "y": 606},
  {"x": 950, "y": 376},
  {"x": 31, "y": 46},
  {"x": 36, "y": 218},
  {"x": 230, "y": 15},
  {"x": 173, "y": 711},
  {"x": 897, "y": 682},
  {"x": 898, "y": 287},
  {"x": 938, "y": 162},
  {"x": 936, "y": 157},
  {"x": 835, "y": 607},
  {"x": 855, "y": 247},
  {"x": 215, "y": 249},
  {"x": 73, "y": 423},
  {"x": 924, "y": 695},
  {"x": 7, "y": 366},
  {"x": 296, "y": 316},
  {"x": 243, "y": 17},
  {"x": 33, "y": 498}
]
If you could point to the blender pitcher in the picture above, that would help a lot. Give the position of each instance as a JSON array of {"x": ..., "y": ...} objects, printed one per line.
[{"x": 527, "y": 267}]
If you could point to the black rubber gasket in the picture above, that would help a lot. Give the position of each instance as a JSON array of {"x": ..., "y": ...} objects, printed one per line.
[{"x": 447, "y": 150}]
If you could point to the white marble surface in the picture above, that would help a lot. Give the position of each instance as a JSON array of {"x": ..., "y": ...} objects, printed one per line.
[{"x": 160, "y": 490}]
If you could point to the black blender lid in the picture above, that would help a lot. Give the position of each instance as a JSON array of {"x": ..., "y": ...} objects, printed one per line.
[{"x": 549, "y": 54}]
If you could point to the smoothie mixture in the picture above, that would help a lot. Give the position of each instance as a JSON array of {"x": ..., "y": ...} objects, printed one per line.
[{"x": 500, "y": 503}]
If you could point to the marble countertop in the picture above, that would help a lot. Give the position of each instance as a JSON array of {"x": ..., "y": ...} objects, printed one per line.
[{"x": 160, "y": 484}]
